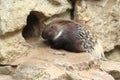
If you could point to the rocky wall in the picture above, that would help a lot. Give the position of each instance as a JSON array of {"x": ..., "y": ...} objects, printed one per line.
[
  {"x": 31, "y": 59},
  {"x": 13, "y": 18},
  {"x": 103, "y": 16}
]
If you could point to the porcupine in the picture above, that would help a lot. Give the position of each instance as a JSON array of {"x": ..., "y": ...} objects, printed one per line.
[{"x": 72, "y": 36}]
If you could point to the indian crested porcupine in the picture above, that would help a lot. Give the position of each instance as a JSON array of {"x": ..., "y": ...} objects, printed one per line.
[{"x": 72, "y": 36}]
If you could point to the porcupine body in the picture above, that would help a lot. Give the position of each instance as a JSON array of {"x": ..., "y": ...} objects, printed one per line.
[{"x": 72, "y": 36}]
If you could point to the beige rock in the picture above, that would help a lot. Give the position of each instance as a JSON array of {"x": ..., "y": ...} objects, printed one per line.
[
  {"x": 65, "y": 15},
  {"x": 66, "y": 61},
  {"x": 55, "y": 63},
  {"x": 12, "y": 45},
  {"x": 58, "y": 64},
  {"x": 14, "y": 13},
  {"x": 111, "y": 67},
  {"x": 5, "y": 77},
  {"x": 37, "y": 70},
  {"x": 103, "y": 17},
  {"x": 114, "y": 54},
  {"x": 5, "y": 70},
  {"x": 43, "y": 63},
  {"x": 90, "y": 75}
]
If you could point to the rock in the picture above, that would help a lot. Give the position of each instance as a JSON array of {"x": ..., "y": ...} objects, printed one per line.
[
  {"x": 10, "y": 21},
  {"x": 114, "y": 54},
  {"x": 50, "y": 65},
  {"x": 111, "y": 67},
  {"x": 103, "y": 17},
  {"x": 58, "y": 64},
  {"x": 38, "y": 70},
  {"x": 36, "y": 60},
  {"x": 68, "y": 61},
  {"x": 90, "y": 75},
  {"x": 5, "y": 77},
  {"x": 13, "y": 17},
  {"x": 12, "y": 45},
  {"x": 5, "y": 70},
  {"x": 45, "y": 63},
  {"x": 65, "y": 15}
]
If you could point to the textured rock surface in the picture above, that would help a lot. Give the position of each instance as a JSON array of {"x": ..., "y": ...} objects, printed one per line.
[
  {"x": 44, "y": 63},
  {"x": 39, "y": 61},
  {"x": 58, "y": 65},
  {"x": 5, "y": 77},
  {"x": 6, "y": 70},
  {"x": 65, "y": 15},
  {"x": 90, "y": 75},
  {"x": 37, "y": 70},
  {"x": 13, "y": 16},
  {"x": 114, "y": 54},
  {"x": 112, "y": 68},
  {"x": 103, "y": 16},
  {"x": 14, "y": 13},
  {"x": 60, "y": 57},
  {"x": 12, "y": 45}
]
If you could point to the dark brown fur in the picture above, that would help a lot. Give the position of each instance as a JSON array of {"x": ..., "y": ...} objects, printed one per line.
[{"x": 75, "y": 36}]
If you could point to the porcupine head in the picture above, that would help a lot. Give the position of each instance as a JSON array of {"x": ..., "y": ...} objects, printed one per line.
[{"x": 50, "y": 32}]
